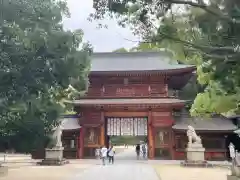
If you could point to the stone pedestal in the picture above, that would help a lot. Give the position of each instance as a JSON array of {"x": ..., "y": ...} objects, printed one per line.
[
  {"x": 231, "y": 177},
  {"x": 54, "y": 153},
  {"x": 54, "y": 156},
  {"x": 235, "y": 169},
  {"x": 195, "y": 156},
  {"x": 195, "y": 153}
]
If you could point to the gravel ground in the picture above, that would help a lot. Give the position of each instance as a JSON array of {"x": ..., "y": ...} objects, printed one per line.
[
  {"x": 174, "y": 172},
  {"x": 45, "y": 172}
]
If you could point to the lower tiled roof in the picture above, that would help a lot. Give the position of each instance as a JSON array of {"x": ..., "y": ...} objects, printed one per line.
[
  {"x": 216, "y": 123},
  {"x": 127, "y": 101}
]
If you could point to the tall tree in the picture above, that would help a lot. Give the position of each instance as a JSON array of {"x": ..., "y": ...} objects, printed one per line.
[
  {"x": 201, "y": 32},
  {"x": 41, "y": 66}
]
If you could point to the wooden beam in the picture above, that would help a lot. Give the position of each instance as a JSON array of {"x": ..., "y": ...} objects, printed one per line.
[{"x": 126, "y": 114}]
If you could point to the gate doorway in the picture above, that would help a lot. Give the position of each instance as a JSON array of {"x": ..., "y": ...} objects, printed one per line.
[{"x": 129, "y": 131}]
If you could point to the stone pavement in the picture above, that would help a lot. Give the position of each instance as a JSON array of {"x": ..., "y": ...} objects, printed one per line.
[
  {"x": 126, "y": 167},
  {"x": 118, "y": 171},
  {"x": 127, "y": 154}
]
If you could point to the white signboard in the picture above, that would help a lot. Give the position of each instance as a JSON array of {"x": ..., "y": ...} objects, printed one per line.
[{"x": 127, "y": 126}]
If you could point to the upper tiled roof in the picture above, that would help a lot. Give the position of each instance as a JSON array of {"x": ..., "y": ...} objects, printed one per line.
[
  {"x": 134, "y": 61},
  {"x": 215, "y": 123}
]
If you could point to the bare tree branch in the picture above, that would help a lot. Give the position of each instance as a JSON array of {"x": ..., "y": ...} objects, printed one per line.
[
  {"x": 226, "y": 58},
  {"x": 206, "y": 8},
  {"x": 207, "y": 50}
]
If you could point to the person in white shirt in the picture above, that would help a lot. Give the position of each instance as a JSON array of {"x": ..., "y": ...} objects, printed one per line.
[
  {"x": 111, "y": 153},
  {"x": 104, "y": 152}
]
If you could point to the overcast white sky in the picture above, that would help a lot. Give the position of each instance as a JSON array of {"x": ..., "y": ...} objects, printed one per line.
[{"x": 103, "y": 40}]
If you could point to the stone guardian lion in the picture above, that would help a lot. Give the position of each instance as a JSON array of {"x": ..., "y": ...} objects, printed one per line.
[{"x": 193, "y": 138}]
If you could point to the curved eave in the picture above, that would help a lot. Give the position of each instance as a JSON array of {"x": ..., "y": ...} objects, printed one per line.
[
  {"x": 69, "y": 116},
  {"x": 205, "y": 130},
  {"x": 148, "y": 103},
  {"x": 145, "y": 106},
  {"x": 173, "y": 71}
]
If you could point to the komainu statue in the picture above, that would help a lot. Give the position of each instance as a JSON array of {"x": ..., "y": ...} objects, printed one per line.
[
  {"x": 235, "y": 161},
  {"x": 193, "y": 138},
  {"x": 56, "y": 138}
]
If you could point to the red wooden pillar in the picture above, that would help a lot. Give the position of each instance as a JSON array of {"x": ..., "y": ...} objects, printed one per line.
[
  {"x": 81, "y": 143},
  {"x": 172, "y": 136},
  {"x": 102, "y": 130},
  {"x": 77, "y": 145},
  {"x": 172, "y": 144},
  {"x": 150, "y": 137}
]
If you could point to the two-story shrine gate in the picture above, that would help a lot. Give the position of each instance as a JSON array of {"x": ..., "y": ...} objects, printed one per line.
[{"x": 127, "y": 86}]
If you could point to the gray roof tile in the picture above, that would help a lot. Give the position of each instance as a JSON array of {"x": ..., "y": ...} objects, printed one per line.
[
  {"x": 216, "y": 123},
  {"x": 133, "y": 61}
]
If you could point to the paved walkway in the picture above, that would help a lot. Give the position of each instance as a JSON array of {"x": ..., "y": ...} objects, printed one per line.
[
  {"x": 121, "y": 171},
  {"x": 127, "y": 154},
  {"x": 126, "y": 167}
]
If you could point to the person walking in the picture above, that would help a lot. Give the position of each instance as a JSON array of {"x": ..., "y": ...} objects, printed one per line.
[
  {"x": 111, "y": 153},
  {"x": 138, "y": 150},
  {"x": 144, "y": 150},
  {"x": 104, "y": 152}
]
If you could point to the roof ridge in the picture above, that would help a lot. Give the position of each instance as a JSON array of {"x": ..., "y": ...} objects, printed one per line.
[{"x": 135, "y": 53}]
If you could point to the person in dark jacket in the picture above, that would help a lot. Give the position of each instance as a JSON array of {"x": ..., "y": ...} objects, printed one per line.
[{"x": 138, "y": 150}]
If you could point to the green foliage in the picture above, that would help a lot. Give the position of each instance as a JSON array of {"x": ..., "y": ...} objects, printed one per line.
[
  {"x": 69, "y": 112},
  {"x": 41, "y": 66},
  {"x": 146, "y": 47},
  {"x": 141, "y": 47},
  {"x": 129, "y": 140},
  {"x": 121, "y": 50},
  {"x": 198, "y": 32}
]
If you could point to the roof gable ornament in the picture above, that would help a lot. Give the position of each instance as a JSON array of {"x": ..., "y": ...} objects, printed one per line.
[
  {"x": 103, "y": 89},
  {"x": 149, "y": 89}
]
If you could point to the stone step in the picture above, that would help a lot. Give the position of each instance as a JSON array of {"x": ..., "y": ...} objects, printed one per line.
[{"x": 14, "y": 157}]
